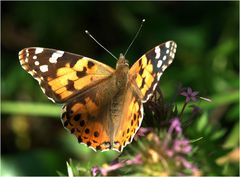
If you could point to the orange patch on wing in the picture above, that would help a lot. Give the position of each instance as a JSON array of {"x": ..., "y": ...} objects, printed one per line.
[
  {"x": 92, "y": 70},
  {"x": 149, "y": 67},
  {"x": 86, "y": 81},
  {"x": 67, "y": 65},
  {"x": 59, "y": 91},
  {"x": 62, "y": 81},
  {"x": 63, "y": 71},
  {"x": 65, "y": 94},
  {"x": 79, "y": 106},
  {"x": 90, "y": 105},
  {"x": 80, "y": 64},
  {"x": 148, "y": 78},
  {"x": 144, "y": 61},
  {"x": 139, "y": 80},
  {"x": 144, "y": 89}
]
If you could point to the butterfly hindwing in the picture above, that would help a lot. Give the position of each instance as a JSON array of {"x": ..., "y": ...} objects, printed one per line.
[
  {"x": 146, "y": 72},
  {"x": 88, "y": 115},
  {"x": 130, "y": 119},
  {"x": 60, "y": 74}
]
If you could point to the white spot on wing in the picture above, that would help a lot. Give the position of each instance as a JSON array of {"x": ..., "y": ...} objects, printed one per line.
[
  {"x": 35, "y": 57},
  {"x": 38, "y": 50},
  {"x": 55, "y": 56},
  {"x": 157, "y": 51},
  {"x": 158, "y": 76},
  {"x": 27, "y": 53},
  {"x": 51, "y": 99},
  {"x": 164, "y": 67},
  {"x": 21, "y": 62},
  {"x": 165, "y": 57},
  {"x": 167, "y": 44},
  {"x": 31, "y": 72},
  {"x": 159, "y": 64},
  {"x": 24, "y": 67},
  {"x": 39, "y": 80},
  {"x": 44, "y": 68},
  {"x": 155, "y": 85},
  {"x": 36, "y": 62}
]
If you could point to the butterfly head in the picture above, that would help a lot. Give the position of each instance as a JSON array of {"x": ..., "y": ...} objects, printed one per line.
[{"x": 122, "y": 62}]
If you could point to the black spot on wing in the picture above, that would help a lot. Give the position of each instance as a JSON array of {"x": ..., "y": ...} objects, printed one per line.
[
  {"x": 90, "y": 64},
  {"x": 70, "y": 85},
  {"x": 143, "y": 83},
  {"x": 82, "y": 73}
]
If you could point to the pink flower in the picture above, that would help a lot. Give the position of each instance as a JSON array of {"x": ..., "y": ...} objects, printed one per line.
[
  {"x": 142, "y": 132},
  {"x": 182, "y": 146},
  {"x": 189, "y": 94},
  {"x": 116, "y": 165}
]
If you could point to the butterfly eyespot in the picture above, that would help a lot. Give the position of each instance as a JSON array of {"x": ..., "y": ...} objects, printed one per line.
[
  {"x": 72, "y": 130},
  {"x": 98, "y": 148},
  {"x": 77, "y": 117},
  {"x": 82, "y": 123},
  {"x": 89, "y": 143},
  {"x": 87, "y": 131},
  {"x": 134, "y": 117},
  {"x": 131, "y": 122},
  {"x": 96, "y": 134}
]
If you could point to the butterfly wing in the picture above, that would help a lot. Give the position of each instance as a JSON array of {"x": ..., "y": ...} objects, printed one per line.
[
  {"x": 130, "y": 119},
  {"x": 143, "y": 79},
  {"x": 146, "y": 72},
  {"x": 62, "y": 75},
  {"x": 88, "y": 115}
]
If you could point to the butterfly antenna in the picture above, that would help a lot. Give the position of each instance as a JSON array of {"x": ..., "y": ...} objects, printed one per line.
[
  {"x": 86, "y": 31},
  {"x": 139, "y": 29}
]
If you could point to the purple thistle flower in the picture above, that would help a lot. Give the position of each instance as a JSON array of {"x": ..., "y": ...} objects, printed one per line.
[
  {"x": 182, "y": 146},
  {"x": 189, "y": 94},
  {"x": 135, "y": 161},
  {"x": 142, "y": 132},
  {"x": 182, "y": 161},
  {"x": 175, "y": 125},
  {"x": 116, "y": 165},
  {"x": 95, "y": 170}
]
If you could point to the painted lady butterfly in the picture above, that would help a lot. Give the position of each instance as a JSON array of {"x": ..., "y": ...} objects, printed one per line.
[{"x": 103, "y": 107}]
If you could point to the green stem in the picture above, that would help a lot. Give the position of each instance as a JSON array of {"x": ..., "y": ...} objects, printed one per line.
[{"x": 53, "y": 110}]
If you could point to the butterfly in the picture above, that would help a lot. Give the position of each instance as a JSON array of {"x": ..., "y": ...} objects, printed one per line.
[{"x": 103, "y": 107}]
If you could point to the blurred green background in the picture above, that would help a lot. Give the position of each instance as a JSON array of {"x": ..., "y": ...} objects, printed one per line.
[{"x": 33, "y": 141}]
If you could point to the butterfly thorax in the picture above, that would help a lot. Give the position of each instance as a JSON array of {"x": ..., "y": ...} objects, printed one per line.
[{"x": 122, "y": 69}]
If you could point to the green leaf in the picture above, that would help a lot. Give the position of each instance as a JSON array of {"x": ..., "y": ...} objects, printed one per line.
[
  {"x": 202, "y": 123},
  {"x": 233, "y": 138}
]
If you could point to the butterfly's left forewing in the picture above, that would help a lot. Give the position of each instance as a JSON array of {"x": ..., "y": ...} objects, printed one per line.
[
  {"x": 146, "y": 72},
  {"x": 62, "y": 75}
]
